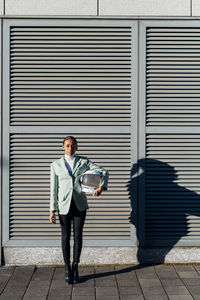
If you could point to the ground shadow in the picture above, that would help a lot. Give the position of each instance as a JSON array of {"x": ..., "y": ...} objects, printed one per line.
[
  {"x": 168, "y": 208},
  {"x": 124, "y": 270}
]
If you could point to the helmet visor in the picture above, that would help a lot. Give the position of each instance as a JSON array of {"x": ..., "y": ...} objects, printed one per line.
[{"x": 91, "y": 180}]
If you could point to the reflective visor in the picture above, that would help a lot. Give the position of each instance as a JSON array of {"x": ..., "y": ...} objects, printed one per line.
[{"x": 91, "y": 180}]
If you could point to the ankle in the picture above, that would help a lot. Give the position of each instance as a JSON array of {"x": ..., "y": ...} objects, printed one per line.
[{"x": 67, "y": 266}]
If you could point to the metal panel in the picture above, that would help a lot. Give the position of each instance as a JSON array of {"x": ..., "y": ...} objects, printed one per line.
[
  {"x": 172, "y": 188},
  {"x": 169, "y": 152},
  {"x": 98, "y": 88},
  {"x": 31, "y": 155},
  {"x": 70, "y": 75},
  {"x": 173, "y": 76},
  {"x": 1, "y": 139}
]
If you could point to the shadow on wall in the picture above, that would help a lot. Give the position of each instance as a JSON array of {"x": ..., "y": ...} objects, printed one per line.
[{"x": 167, "y": 210}]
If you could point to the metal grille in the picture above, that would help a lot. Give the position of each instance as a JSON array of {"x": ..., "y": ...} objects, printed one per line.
[
  {"x": 172, "y": 188},
  {"x": 173, "y": 76},
  {"x": 70, "y": 75},
  {"x": 31, "y": 155}
]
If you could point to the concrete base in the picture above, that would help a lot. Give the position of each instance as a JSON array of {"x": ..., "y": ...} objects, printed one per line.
[
  {"x": 53, "y": 255},
  {"x": 101, "y": 255}
]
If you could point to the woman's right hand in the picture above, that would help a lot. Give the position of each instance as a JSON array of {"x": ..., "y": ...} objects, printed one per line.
[{"x": 52, "y": 218}]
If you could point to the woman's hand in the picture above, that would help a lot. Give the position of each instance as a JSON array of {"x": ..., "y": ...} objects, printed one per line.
[
  {"x": 98, "y": 191},
  {"x": 52, "y": 217}
]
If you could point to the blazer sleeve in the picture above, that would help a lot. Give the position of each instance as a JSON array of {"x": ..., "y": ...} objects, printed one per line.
[
  {"x": 53, "y": 189},
  {"x": 104, "y": 173}
]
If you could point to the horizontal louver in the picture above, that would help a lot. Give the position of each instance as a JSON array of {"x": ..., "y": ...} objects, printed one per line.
[
  {"x": 173, "y": 76},
  {"x": 172, "y": 188},
  {"x": 31, "y": 155},
  {"x": 70, "y": 75}
]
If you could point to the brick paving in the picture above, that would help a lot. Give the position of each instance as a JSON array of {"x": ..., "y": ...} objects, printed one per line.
[{"x": 174, "y": 282}]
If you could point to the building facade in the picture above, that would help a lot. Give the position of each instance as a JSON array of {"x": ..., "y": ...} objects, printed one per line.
[{"x": 123, "y": 77}]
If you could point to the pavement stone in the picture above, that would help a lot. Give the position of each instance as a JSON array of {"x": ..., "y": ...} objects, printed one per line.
[
  {"x": 18, "y": 281},
  {"x": 10, "y": 297},
  {"x": 188, "y": 274},
  {"x": 181, "y": 297},
  {"x": 136, "y": 291},
  {"x": 86, "y": 270},
  {"x": 194, "y": 289},
  {"x": 157, "y": 297},
  {"x": 122, "y": 283},
  {"x": 197, "y": 267},
  {"x": 86, "y": 283},
  {"x": 60, "y": 284},
  {"x": 106, "y": 291},
  {"x": 168, "y": 275},
  {"x": 56, "y": 298},
  {"x": 105, "y": 269},
  {"x": 131, "y": 297},
  {"x": 34, "y": 298},
  {"x": 18, "y": 292},
  {"x": 191, "y": 281},
  {"x": 172, "y": 282},
  {"x": 153, "y": 291},
  {"x": 149, "y": 282},
  {"x": 159, "y": 282},
  {"x": 125, "y": 276},
  {"x": 59, "y": 292},
  {"x": 106, "y": 283},
  {"x": 5, "y": 275},
  {"x": 43, "y": 274},
  {"x": 108, "y": 298},
  {"x": 59, "y": 274},
  {"x": 82, "y": 291},
  {"x": 177, "y": 290},
  {"x": 165, "y": 268},
  {"x": 83, "y": 297},
  {"x": 37, "y": 292},
  {"x": 144, "y": 275},
  {"x": 105, "y": 275},
  {"x": 184, "y": 267}
]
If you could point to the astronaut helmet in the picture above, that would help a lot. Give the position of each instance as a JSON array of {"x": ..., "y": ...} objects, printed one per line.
[{"x": 90, "y": 181}]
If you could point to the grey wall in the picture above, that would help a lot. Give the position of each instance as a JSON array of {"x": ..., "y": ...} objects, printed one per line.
[
  {"x": 94, "y": 8},
  {"x": 183, "y": 8},
  {"x": 101, "y": 7}
]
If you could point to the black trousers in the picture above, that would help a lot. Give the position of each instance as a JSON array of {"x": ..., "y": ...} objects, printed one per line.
[{"x": 77, "y": 218}]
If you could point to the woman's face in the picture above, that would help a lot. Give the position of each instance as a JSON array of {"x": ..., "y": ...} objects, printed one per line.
[{"x": 69, "y": 147}]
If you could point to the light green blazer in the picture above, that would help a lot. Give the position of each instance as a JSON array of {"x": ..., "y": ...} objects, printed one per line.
[{"x": 65, "y": 185}]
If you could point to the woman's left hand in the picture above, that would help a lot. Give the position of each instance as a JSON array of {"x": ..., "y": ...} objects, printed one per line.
[{"x": 98, "y": 191}]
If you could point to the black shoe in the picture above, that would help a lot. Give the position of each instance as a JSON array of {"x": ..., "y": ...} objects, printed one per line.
[
  {"x": 68, "y": 274},
  {"x": 75, "y": 272}
]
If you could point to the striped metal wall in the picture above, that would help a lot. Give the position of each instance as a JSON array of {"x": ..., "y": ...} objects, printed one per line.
[
  {"x": 31, "y": 156},
  {"x": 172, "y": 188},
  {"x": 172, "y": 155},
  {"x": 64, "y": 77},
  {"x": 173, "y": 76},
  {"x": 70, "y": 76}
]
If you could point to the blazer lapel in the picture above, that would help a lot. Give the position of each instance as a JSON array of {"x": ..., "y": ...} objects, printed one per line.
[
  {"x": 63, "y": 165},
  {"x": 77, "y": 162}
]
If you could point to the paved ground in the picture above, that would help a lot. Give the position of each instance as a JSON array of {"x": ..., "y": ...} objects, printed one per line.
[{"x": 175, "y": 282}]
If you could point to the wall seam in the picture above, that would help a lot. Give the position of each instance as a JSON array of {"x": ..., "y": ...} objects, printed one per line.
[
  {"x": 97, "y": 7},
  {"x": 1, "y": 149}
]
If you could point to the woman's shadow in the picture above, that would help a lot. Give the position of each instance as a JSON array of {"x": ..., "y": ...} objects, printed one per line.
[
  {"x": 168, "y": 211},
  {"x": 165, "y": 209}
]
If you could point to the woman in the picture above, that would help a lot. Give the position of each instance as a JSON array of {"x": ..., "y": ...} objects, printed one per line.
[{"x": 68, "y": 199}]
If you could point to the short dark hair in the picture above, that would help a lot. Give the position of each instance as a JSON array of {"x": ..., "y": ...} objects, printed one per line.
[{"x": 69, "y": 137}]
